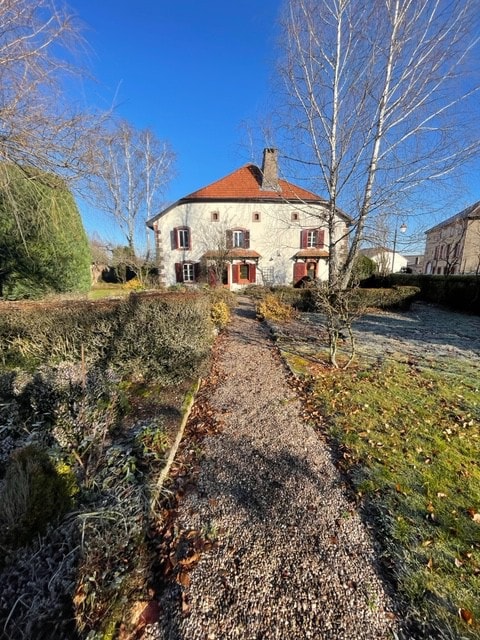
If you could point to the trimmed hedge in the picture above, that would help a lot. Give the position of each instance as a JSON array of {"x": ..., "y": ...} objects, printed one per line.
[
  {"x": 395, "y": 298},
  {"x": 159, "y": 335},
  {"x": 456, "y": 292}
]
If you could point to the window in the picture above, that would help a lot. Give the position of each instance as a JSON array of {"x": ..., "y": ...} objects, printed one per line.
[
  {"x": 187, "y": 271},
  {"x": 215, "y": 216},
  {"x": 312, "y": 238},
  {"x": 244, "y": 273},
  {"x": 256, "y": 216},
  {"x": 295, "y": 216},
  {"x": 238, "y": 239},
  {"x": 182, "y": 238}
]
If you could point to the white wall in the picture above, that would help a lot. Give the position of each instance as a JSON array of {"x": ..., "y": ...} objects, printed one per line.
[{"x": 275, "y": 237}]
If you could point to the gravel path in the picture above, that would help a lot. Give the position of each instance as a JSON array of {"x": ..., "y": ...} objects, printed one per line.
[{"x": 293, "y": 559}]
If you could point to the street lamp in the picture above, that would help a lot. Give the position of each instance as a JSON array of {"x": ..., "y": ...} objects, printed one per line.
[{"x": 403, "y": 228}]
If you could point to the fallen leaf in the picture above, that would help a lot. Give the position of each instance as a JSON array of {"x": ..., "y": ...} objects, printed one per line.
[
  {"x": 458, "y": 563},
  {"x": 441, "y": 495},
  {"x": 430, "y": 564},
  {"x": 466, "y": 615},
  {"x": 427, "y": 543},
  {"x": 183, "y": 578},
  {"x": 191, "y": 560}
]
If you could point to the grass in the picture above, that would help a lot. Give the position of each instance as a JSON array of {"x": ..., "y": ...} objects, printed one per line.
[
  {"x": 104, "y": 290},
  {"x": 408, "y": 437}
]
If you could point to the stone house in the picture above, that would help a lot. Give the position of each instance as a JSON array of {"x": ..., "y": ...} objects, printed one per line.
[
  {"x": 248, "y": 227},
  {"x": 453, "y": 246}
]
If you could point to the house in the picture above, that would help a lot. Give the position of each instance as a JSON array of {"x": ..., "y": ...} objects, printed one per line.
[
  {"x": 453, "y": 246},
  {"x": 385, "y": 259},
  {"x": 415, "y": 263},
  {"x": 248, "y": 227}
]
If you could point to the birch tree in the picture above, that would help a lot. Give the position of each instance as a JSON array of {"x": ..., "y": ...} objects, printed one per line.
[
  {"x": 131, "y": 169},
  {"x": 379, "y": 96}
]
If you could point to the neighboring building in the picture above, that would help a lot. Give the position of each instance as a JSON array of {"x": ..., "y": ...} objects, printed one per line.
[
  {"x": 386, "y": 260},
  {"x": 415, "y": 263},
  {"x": 453, "y": 246},
  {"x": 248, "y": 227}
]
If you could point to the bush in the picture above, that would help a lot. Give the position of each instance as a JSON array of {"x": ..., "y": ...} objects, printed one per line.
[
  {"x": 220, "y": 315},
  {"x": 220, "y": 294},
  {"x": 456, "y": 292},
  {"x": 271, "y": 308},
  {"x": 34, "y": 494},
  {"x": 397, "y": 297},
  {"x": 43, "y": 244},
  {"x": 164, "y": 335}
]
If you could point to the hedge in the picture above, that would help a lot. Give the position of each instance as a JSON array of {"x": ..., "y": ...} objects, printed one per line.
[
  {"x": 457, "y": 292},
  {"x": 160, "y": 335}
]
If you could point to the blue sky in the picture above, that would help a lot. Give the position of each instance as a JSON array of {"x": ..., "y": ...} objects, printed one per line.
[
  {"x": 199, "y": 73},
  {"x": 195, "y": 71}
]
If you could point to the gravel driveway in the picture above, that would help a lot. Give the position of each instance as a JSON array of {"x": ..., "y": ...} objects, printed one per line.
[{"x": 293, "y": 559}]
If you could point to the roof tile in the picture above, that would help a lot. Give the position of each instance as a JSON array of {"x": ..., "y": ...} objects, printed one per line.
[{"x": 245, "y": 183}]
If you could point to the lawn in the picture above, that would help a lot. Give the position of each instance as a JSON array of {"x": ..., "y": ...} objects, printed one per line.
[{"x": 407, "y": 435}]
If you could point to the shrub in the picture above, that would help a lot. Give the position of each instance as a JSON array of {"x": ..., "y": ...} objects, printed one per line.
[
  {"x": 133, "y": 285},
  {"x": 220, "y": 294},
  {"x": 396, "y": 297},
  {"x": 272, "y": 308},
  {"x": 220, "y": 314},
  {"x": 43, "y": 244},
  {"x": 33, "y": 495},
  {"x": 162, "y": 336}
]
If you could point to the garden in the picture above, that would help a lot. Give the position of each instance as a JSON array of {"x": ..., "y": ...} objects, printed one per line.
[{"x": 91, "y": 396}]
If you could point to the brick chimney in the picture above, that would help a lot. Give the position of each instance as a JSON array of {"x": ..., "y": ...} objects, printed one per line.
[{"x": 270, "y": 170}]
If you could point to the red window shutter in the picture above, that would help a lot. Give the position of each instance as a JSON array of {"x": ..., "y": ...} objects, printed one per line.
[
  {"x": 299, "y": 271},
  {"x": 179, "y": 271},
  {"x": 229, "y": 238},
  {"x": 252, "y": 274},
  {"x": 320, "y": 238},
  {"x": 189, "y": 239},
  {"x": 246, "y": 239},
  {"x": 303, "y": 238},
  {"x": 235, "y": 273},
  {"x": 196, "y": 271},
  {"x": 175, "y": 238}
]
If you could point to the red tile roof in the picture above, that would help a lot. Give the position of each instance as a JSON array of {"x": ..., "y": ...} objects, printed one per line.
[{"x": 245, "y": 184}]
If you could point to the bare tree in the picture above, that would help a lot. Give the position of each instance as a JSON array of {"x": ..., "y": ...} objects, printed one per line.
[
  {"x": 131, "y": 169},
  {"x": 379, "y": 96},
  {"x": 39, "y": 125}
]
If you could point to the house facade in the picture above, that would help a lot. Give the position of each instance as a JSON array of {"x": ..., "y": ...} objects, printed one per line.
[
  {"x": 250, "y": 227},
  {"x": 453, "y": 246},
  {"x": 386, "y": 260}
]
